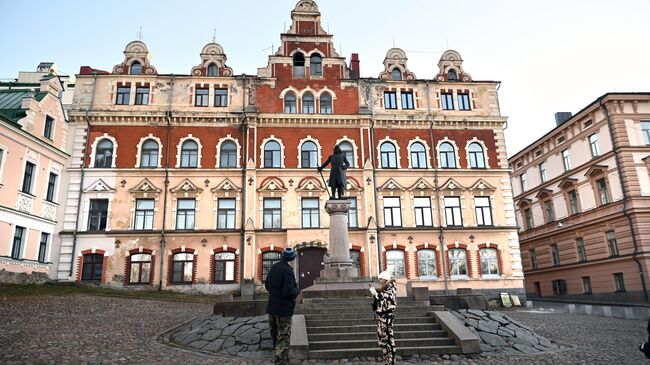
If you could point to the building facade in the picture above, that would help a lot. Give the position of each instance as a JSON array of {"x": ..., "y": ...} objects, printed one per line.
[
  {"x": 198, "y": 181},
  {"x": 582, "y": 193}
]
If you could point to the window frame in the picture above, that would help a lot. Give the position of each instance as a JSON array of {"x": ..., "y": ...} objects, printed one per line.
[
  {"x": 48, "y": 129},
  {"x": 464, "y": 101},
  {"x": 97, "y": 215},
  {"x": 602, "y": 192},
  {"x": 140, "y": 263},
  {"x": 210, "y": 68},
  {"x": 290, "y": 103},
  {"x": 612, "y": 243},
  {"x": 325, "y": 103},
  {"x": 103, "y": 154},
  {"x": 185, "y": 214},
  {"x": 447, "y": 156},
  {"x": 407, "y": 100},
  {"x": 418, "y": 158},
  {"x": 96, "y": 259},
  {"x": 619, "y": 282},
  {"x": 573, "y": 202},
  {"x": 423, "y": 212},
  {"x": 457, "y": 260},
  {"x": 227, "y": 214},
  {"x": 298, "y": 71},
  {"x": 476, "y": 156},
  {"x": 221, "y": 97},
  {"x": 555, "y": 255},
  {"x": 427, "y": 261},
  {"x": 28, "y": 178},
  {"x": 396, "y": 263},
  {"x": 542, "y": 172},
  {"x": 142, "y": 97},
  {"x": 309, "y": 157},
  {"x": 50, "y": 193},
  {"x": 453, "y": 211},
  {"x": 42, "y": 247},
  {"x": 268, "y": 262},
  {"x": 392, "y": 211},
  {"x": 593, "y": 145},
  {"x": 559, "y": 287},
  {"x": 566, "y": 159},
  {"x": 645, "y": 131},
  {"x": 447, "y": 101},
  {"x": 486, "y": 262},
  {"x": 144, "y": 216},
  {"x": 528, "y": 218},
  {"x": 581, "y": 250},
  {"x": 225, "y": 257},
  {"x": 315, "y": 65},
  {"x": 271, "y": 212},
  {"x": 17, "y": 242},
  {"x": 270, "y": 156},
  {"x": 353, "y": 214},
  {"x": 390, "y": 100},
  {"x": 202, "y": 97},
  {"x": 311, "y": 213},
  {"x": 228, "y": 154},
  {"x": 396, "y": 74},
  {"x": 586, "y": 285},
  {"x": 188, "y": 153},
  {"x": 533, "y": 259},
  {"x": 385, "y": 156},
  {"x": 149, "y": 154},
  {"x": 135, "y": 66},
  {"x": 482, "y": 210},
  {"x": 123, "y": 95},
  {"x": 308, "y": 102},
  {"x": 183, "y": 271},
  {"x": 549, "y": 210},
  {"x": 348, "y": 153}
]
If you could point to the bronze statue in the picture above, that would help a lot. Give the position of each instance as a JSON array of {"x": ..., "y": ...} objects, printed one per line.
[{"x": 337, "y": 180}]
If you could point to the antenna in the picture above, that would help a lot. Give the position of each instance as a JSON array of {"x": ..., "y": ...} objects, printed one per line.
[
  {"x": 393, "y": 40},
  {"x": 328, "y": 27},
  {"x": 284, "y": 24},
  {"x": 139, "y": 34},
  {"x": 214, "y": 36},
  {"x": 447, "y": 42}
]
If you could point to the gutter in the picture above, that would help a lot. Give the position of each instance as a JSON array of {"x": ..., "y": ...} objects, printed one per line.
[
  {"x": 166, "y": 190},
  {"x": 374, "y": 171},
  {"x": 242, "y": 229}
]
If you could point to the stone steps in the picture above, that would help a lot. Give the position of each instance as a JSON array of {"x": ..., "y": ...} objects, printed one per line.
[
  {"x": 374, "y": 352},
  {"x": 364, "y": 313},
  {"x": 357, "y": 343},
  {"x": 371, "y": 327},
  {"x": 361, "y": 321},
  {"x": 373, "y": 336}
]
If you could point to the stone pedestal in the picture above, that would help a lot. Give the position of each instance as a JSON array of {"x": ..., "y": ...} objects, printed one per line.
[{"x": 339, "y": 265}]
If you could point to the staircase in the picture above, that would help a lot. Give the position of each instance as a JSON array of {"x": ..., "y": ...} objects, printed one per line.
[{"x": 345, "y": 328}]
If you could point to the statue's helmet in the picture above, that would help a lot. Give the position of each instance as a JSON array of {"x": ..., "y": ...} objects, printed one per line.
[{"x": 337, "y": 150}]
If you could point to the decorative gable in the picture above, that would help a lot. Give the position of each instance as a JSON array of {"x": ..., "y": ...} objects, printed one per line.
[
  {"x": 99, "y": 186},
  {"x": 451, "y": 63},
  {"x": 135, "y": 51},
  {"x": 396, "y": 59},
  {"x": 391, "y": 185},
  {"x": 567, "y": 183},
  {"x": 353, "y": 185},
  {"x": 144, "y": 186},
  {"x": 525, "y": 202},
  {"x": 544, "y": 193},
  {"x": 272, "y": 184},
  {"x": 186, "y": 187},
  {"x": 452, "y": 185},
  {"x": 421, "y": 185},
  {"x": 482, "y": 186},
  {"x": 226, "y": 186},
  {"x": 596, "y": 170},
  {"x": 310, "y": 184},
  {"x": 212, "y": 53}
]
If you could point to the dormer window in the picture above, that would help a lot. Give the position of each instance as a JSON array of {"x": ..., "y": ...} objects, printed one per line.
[
  {"x": 136, "y": 68},
  {"x": 315, "y": 65},
  {"x": 213, "y": 70},
  {"x": 452, "y": 75},
  {"x": 299, "y": 65},
  {"x": 396, "y": 74}
]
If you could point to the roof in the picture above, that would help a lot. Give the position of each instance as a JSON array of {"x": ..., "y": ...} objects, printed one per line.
[{"x": 11, "y": 103}]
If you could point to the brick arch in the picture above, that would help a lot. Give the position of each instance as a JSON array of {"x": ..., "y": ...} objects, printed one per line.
[
  {"x": 468, "y": 258},
  {"x": 127, "y": 265},
  {"x": 499, "y": 257},
  {"x": 170, "y": 264},
  {"x": 362, "y": 259},
  {"x": 407, "y": 266},
  {"x": 80, "y": 263},
  {"x": 438, "y": 259},
  {"x": 277, "y": 249},
  {"x": 227, "y": 249}
]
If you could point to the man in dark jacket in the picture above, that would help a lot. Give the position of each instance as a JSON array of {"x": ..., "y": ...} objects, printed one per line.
[
  {"x": 281, "y": 285},
  {"x": 337, "y": 173}
]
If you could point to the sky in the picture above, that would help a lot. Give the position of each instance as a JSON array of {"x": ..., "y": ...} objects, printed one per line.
[{"x": 549, "y": 55}]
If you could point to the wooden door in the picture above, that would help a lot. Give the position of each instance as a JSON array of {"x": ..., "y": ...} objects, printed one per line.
[{"x": 310, "y": 263}]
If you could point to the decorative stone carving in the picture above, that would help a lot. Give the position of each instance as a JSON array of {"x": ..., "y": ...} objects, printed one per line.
[
  {"x": 25, "y": 203},
  {"x": 49, "y": 211},
  {"x": 136, "y": 51},
  {"x": 451, "y": 61},
  {"x": 306, "y": 6},
  {"x": 396, "y": 58},
  {"x": 212, "y": 53}
]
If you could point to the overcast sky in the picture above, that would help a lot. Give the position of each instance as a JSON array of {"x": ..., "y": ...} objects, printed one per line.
[{"x": 549, "y": 55}]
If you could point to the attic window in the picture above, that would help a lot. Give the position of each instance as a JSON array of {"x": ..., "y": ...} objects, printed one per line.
[
  {"x": 538, "y": 153},
  {"x": 519, "y": 164},
  {"x": 452, "y": 75},
  {"x": 299, "y": 65},
  {"x": 396, "y": 74},
  {"x": 213, "y": 70},
  {"x": 561, "y": 140},
  {"x": 587, "y": 124},
  {"x": 136, "y": 68}
]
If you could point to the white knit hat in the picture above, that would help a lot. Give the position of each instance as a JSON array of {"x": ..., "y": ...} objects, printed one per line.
[{"x": 385, "y": 275}]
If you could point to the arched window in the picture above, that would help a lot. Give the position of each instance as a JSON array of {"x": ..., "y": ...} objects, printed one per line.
[
  {"x": 183, "y": 268},
  {"x": 309, "y": 155},
  {"x": 224, "y": 267},
  {"x": 136, "y": 68},
  {"x": 272, "y": 156},
  {"x": 189, "y": 154},
  {"x": 104, "y": 153},
  {"x": 452, "y": 75},
  {"x": 213, "y": 70},
  {"x": 290, "y": 103},
  {"x": 299, "y": 65},
  {"x": 228, "y": 154},
  {"x": 355, "y": 255},
  {"x": 308, "y": 103},
  {"x": 348, "y": 151},
  {"x": 447, "y": 156},
  {"x": 92, "y": 267},
  {"x": 427, "y": 263},
  {"x": 388, "y": 156},
  {"x": 418, "y": 156},
  {"x": 395, "y": 263},
  {"x": 396, "y": 74},
  {"x": 476, "y": 157},
  {"x": 326, "y": 103},
  {"x": 140, "y": 268},
  {"x": 457, "y": 262},
  {"x": 489, "y": 261},
  {"x": 149, "y": 154},
  {"x": 268, "y": 260},
  {"x": 316, "y": 65}
]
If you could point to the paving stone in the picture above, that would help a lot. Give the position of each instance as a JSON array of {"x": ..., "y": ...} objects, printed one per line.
[
  {"x": 214, "y": 346},
  {"x": 488, "y": 326},
  {"x": 210, "y": 335},
  {"x": 472, "y": 322},
  {"x": 249, "y": 337},
  {"x": 525, "y": 338},
  {"x": 231, "y": 329},
  {"x": 266, "y": 345},
  {"x": 241, "y": 319},
  {"x": 476, "y": 312},
  {"x": 258, "y": 319},
  {"x": 491, "y": 339},
  {"x": 503, "y": 331},
  {"x": 262, "y": 325},
  {"x": 525, "y": 349},
  {"x": 242, "y": 329},
  {"x": 199, "y": 344},
  {"x": 231, "y": 350}
]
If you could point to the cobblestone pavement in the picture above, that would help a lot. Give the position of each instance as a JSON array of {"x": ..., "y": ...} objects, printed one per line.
[{"x": 83, "y": 329}]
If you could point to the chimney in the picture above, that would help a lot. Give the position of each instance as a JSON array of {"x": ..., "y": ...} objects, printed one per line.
[
  {"x": 354, "y": 66},
  {"x": 561, "y": 117}
]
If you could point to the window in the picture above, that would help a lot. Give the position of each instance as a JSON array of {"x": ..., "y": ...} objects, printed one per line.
[
  {"x": 104, "y": 154},
  {"x": 201, "y": 97},
  {"x": 221, "y": 97},
  {"x": 603, "y": 194},
  {"x": 566, "y": 160},
  {"x": 528, "y": 216},
  {"x": 42, "y": 247},
  {"x": 326, "y": 103},
  {"x": 93, "y": 265},
  {"x": 427, "y": 264},
  {"x": 619, "y": 282},
  {"x": 574, "y": 206},
  {"x": 522, "y": 179},
  {"x": 593, "y": 145},
  {"x": 269, "y": 259},
  {"x": 308, "y": 103},
  {"x": 549, "y": 214},
  {"x": 533, "y": 259},
  {"x": 463, "y": 102},
  {"x": 98, "y": 214},
  {"x": 51, "y": 187},
  {"x": 299, "y": 66},
  {"x": 396, "y": 74},
  {"x": 586, "y": 285},
  {"x": 183, "y": 268},
  {"x": 213, "y": 70},
  {"x": 136, "y": 68},
  {"x": 395, "y": 263},
  {"x": 49, "y": 124},
  {"x": 388, "y": 156},
  {"x": 392, "y": 212},
  {"x": 542, "y": 172},
  {"x": 348, "y": 152},
  {"x": 555, "y": 255},
  {"x": 272, "y": 154},
  {"x": 226, "y": 214},
  {"x": 315, "y": 65},
  {"x": 447, "y": 156},
  {"x": 453, "y": 215},
  {"x": 612, "y": 246},
  {"x": 19, "y": 234},
  {"x": 140, "y": 270},
  {"x": 352, "y": 214},
  {"x": 457, "y": 262},
  {"x": 272, "y": 213},
  {"x": 28, "y": 178},
  {"x": 418, "y": 156},
  {"x": 308, "y": 155},
  {"x": 447, "y": 100},
  {"x": 310, "y": 216},
  {"x": 452, "y": 75},
  {"x": 489, "y": 261},
  {"x": 290, "y": 104},
  {"x": 123, "y": 96},
  {"x": 559, "y": 287},
  {"x": 190, "y": 154},
  {"x": 483, "y": 210},
  {"x": 2, "y": 154},
  {"x": 144, "y": 214},
  {"x": 185, "y": 212},
  {"x": 141, "y": 95},
  {"x": 355, "y": 255},
  {"x": 228, "y": 155},
  {"x": 580, "y": 247},
  {"x": 224, "y": 267},
  {"x": 390, "y": 100},
  {"x": 422, "y": 211},
  {"x": 149, "y": 154},
  {"x": 645, "y": 130},
  {"x": 407, "y": 100},
  {"x": 476, "y": 157}
]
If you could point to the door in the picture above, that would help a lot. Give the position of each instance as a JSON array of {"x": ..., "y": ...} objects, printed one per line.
[{"x": 310, "y": 263}]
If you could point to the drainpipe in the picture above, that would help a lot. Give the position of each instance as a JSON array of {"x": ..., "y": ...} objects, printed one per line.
[
  {"x": 441, "y": 235},
  {"x": 244, "y": 134},
  {"x": 630, "y": 223},
  {"x": 81, "y": 180},
  {"x": 168, "y": 118},
  {"x": 374, "y": 171}
]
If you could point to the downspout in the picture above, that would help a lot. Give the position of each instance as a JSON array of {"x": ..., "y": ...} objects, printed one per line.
[
  {"x": 168, "y": 118},
  {"x": 244, "y": 134},
  {"x": 374, "y": 171},
  {"x": 630, "y": 223},
  {"x": 81, "y": 180},
  {"x": 436, "y": 185}
]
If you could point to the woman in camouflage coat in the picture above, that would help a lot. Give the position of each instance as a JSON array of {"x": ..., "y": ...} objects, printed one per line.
[{"x": 384, "y": 305}]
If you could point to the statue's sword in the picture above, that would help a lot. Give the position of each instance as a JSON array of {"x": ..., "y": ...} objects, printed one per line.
[{"x": 325, "y": 184}]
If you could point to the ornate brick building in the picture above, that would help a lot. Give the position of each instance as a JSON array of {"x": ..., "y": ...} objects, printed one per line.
[{"x": 198, "y": 181}]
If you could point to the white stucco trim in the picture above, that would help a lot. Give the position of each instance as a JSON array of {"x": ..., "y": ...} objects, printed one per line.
[
  {"x": 264, "y": 141},
  {"x": 218, "y": 155},
  {"x": 355, "y": 150},
  {"x": 485, "y": 154},
  {"x": 319, "y": 150},
  {"x": 426, "y": 149},
  {"x": 446, "y": 139},
  {"x": 179, "y": 148},
  {"x": 138, "y": 154},
  {"x": 94, "y": 149},
  {"x": 397, "y": 150}
]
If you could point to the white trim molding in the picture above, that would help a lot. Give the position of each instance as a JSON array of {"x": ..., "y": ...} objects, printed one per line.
[
  {"x": 139, "y": 150},
  {"x": 397, "y": 151},
  {"x": 426, "y": 149},
  {"x": 218, "y": 153},
  {"x": 180, "y": 146},
  {"x": 94, "y": 149}
]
